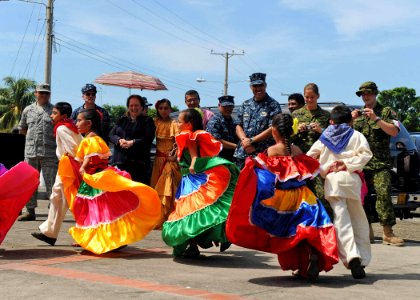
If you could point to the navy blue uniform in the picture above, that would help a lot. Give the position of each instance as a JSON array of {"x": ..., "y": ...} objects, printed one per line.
[
  {"x": 255, "y": 117},
  {"x": 224, "y": 128}
]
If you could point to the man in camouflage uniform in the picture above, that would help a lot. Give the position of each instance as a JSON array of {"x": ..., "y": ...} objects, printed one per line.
[
  {"x": 254, "y": 120},
  {"x": 223, "y": 127},
  {"x": 311, "y": 124},
  {"x": 40, "y": 143},
  {"x": 378, "y": 123}
]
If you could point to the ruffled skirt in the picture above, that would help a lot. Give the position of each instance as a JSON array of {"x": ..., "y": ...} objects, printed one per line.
[
  {"x": 202, "y": 205},
  {"x": 110, "y": 209},
  {"x": 289, "y": 222},
  {"x": 16, "y": 187}
]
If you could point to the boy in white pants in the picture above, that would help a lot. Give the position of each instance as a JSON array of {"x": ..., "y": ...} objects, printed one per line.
[
  {"x": 68, "y": 139},
  {"x": 342, "y": 152}
]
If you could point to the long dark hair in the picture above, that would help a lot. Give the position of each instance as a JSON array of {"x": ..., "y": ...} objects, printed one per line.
[
  {"x": 283, "y": 123},
  {"x": 93, "y": 116},
  {"x": 192, "y": 116},
  {"x": 159, "y": 102}
]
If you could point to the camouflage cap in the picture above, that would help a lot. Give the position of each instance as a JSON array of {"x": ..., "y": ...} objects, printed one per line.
[
  {"x": 44, "y": 88},
  {"x": 369, "y": 87}
]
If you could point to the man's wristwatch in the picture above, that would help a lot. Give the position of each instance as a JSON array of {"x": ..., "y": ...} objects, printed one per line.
[
  {"x": 377, "y": 119},
  {"x": 251, "y": 140}
]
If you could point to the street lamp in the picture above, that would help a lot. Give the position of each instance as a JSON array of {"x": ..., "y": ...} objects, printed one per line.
[{"x": 201, "y": 80}]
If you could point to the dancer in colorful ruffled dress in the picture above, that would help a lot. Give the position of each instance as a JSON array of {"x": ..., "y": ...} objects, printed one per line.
[
  {"x": 110, "y": 210},
  {"x": 166, "y": 174},
  {"x": 273, "y": 210},
  {"x": 16, "y": 187},
  {"x": 204, "y": 196}
]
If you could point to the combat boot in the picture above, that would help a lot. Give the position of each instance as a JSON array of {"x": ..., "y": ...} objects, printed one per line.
[
  {"x": 371, "y": 234},
  {"x": 389, "y": 238}
]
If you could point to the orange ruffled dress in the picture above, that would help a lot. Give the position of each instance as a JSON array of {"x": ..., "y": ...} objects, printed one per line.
[
  {"x": 110, "y": 209},
  {"x": 273, "y": 211},
  {"x": 202, "y": 199},
  {"x": 16, "y": 187},
  {"x": 166, "y": 174}
]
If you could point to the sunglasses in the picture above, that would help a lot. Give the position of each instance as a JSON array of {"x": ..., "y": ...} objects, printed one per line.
[
  {"x": 90, "y": 94},
  {"x": 44, "y": 93}
]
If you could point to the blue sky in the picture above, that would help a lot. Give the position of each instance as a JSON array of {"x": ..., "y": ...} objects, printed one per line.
[{"x": 336, "y": 44}]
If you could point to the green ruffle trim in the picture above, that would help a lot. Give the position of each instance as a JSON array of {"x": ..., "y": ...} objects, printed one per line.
[
  {"x": 205, "y": 163},
  {"x": 208, "y": 224},
  {"x": 87, "y": 190}
]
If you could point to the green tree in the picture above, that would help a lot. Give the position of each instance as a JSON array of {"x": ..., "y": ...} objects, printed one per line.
[
  {"x": 14, "y": 97},
  {"x": 151, "y": 112},
  {"x": 405, "y": 103},
  {"x": 115, "y": 112}
]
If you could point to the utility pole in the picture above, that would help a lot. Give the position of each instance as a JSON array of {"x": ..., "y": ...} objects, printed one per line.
[
  {"x": 49, "y": 39},
  {"x": 227, "y": 55}
]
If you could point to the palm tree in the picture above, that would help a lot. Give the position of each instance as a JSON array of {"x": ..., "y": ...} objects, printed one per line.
[{"x": 17, "y": 94}]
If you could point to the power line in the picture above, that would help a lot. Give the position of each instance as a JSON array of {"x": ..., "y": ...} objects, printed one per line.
[
  {"x": 35, "y": 43},
  {"x": 118, "y": 66},
  {"x": 226, "y": 56},
  {"x": 23, "y": 38},
  {"x": 156, "y": 27},
  {"x": 126, "y": 65},
  {"x": 196, "y": 28},
  {"x": 174, "y": 24},
  {"x": 37, "y": 60}
]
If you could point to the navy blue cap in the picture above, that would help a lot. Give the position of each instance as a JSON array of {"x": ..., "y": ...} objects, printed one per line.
[
  {"x": 146, "y": 103},
  {"x": 88, "y": 87},
  {"x": 226, "y": 101},
  {"x": 257, "y": 78}
]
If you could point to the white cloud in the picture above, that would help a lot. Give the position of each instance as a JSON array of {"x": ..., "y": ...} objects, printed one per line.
[{"x": 358, "y": 16}]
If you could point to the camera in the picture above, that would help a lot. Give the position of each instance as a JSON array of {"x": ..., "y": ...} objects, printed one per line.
[
  {"x": 361, "y": 113},
  {"x": 308, "y": 127}
]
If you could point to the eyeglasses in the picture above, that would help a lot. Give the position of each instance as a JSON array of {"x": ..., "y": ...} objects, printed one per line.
[{"x": 90, "y": 94}]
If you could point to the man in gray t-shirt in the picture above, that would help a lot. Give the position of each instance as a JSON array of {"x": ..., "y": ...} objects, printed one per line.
[{"x": 40, "y": 143}]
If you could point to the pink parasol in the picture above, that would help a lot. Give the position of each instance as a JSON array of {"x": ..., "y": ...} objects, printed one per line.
[{"x": 131, "y": 80}]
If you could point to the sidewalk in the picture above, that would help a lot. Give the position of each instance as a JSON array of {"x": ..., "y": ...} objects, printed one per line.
[{"x": 146, "y": 270}]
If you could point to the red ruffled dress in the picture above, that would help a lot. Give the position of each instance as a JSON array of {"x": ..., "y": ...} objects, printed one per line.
[
  {"x": 273, "y": 211},
  {"x": 16, "y": 187}
]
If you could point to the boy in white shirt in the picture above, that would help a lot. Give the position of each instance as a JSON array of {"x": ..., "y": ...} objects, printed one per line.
[
  {"x": 68, "y": 139},
  {"x": 342, "y": 153}
]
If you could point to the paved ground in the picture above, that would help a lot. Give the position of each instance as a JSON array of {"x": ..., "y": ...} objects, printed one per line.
[{"x": 146, "y": 270}]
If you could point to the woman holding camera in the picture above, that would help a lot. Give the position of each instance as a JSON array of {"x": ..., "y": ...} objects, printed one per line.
[{"x": 312, "y": 121}]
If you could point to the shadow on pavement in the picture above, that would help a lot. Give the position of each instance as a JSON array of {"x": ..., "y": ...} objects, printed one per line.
[
  {"x": 230, "y": 259},
  {"x": 408, "y": 243},
  {"x": 334, "y": 282},
  {"x": 41, "y": 253},
  {"x": 129, "y": 253}
]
